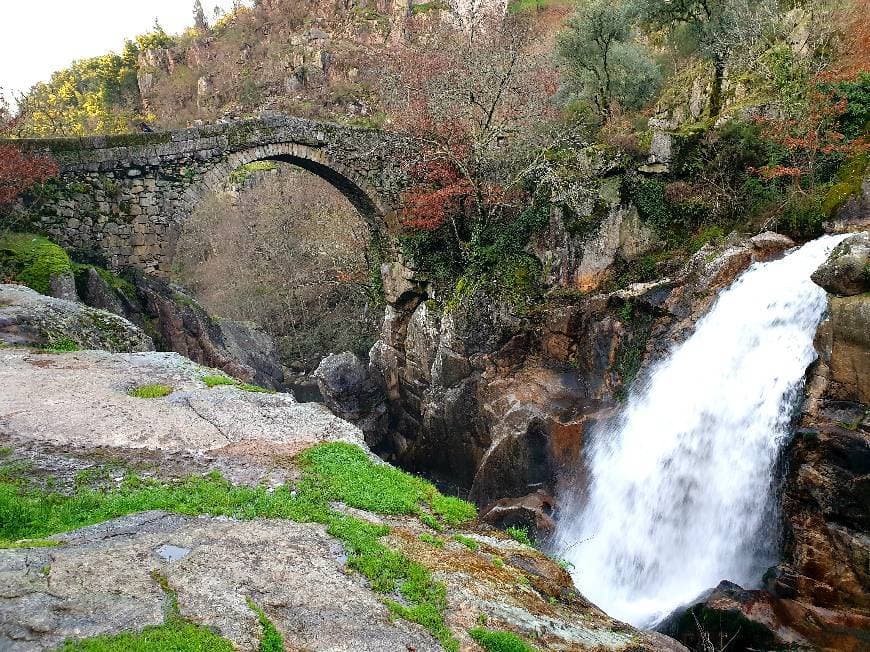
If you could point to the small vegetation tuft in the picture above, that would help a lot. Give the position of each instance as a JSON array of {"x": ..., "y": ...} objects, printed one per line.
[
  {"x": 218, "y": 380},
  {"x": 468, "y": 542},
  {"x": 493, "y": 640},
  {"x": 272, "y": 640},
  {"x": 432, "y": 540},
  {"x": 155, "y": 390},
  {"x": 520, "y": 534}
]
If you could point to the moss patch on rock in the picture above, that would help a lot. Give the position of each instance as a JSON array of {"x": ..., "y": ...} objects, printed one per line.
[
  {"x": 154, "y": 390},
  {"x": 32, "y": 260}
]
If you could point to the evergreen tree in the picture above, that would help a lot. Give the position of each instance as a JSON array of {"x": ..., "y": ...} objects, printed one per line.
[{"x": 199, "y": 21}]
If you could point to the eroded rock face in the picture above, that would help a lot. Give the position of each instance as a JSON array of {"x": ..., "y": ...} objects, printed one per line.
[
  {"x": 499, "y": 404},
  {"x": 28, "y": 318},
  {"x": 178, "y": 323}
]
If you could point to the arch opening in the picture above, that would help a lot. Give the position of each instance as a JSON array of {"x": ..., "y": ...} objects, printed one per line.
[{"x": 288, "y": 247}]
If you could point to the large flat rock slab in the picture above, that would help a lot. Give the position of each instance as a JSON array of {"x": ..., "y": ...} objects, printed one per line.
[
  {"x": 81, "y": 400},
  {"x": 101, "y": 581}
]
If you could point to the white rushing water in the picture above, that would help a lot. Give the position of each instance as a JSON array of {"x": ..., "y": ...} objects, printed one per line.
[{"x": 679, "y": 494}]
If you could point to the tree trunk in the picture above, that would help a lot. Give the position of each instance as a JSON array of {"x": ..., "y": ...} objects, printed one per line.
[{"x": 716, "y": 92}]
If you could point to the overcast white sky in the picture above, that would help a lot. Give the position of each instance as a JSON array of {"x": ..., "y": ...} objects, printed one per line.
[{"x": 38, "y": 37}]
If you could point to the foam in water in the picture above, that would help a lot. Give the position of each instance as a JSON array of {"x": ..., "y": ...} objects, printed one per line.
[{"x": 680, "y": 483}]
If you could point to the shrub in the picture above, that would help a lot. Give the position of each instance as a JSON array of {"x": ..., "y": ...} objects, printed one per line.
[{"x": 519, "y": 534}]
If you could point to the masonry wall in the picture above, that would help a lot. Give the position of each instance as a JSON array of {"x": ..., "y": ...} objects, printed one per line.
[{"x": 125, "y": 197}]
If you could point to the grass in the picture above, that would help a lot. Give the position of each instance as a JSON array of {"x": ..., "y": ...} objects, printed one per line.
[
  {"x": 218, "y": 380},
  {"x": 154, "y": 390},
  {"x": 468, "y": 542},
  {"x": 493, "y": 640},
  {"x": 272, "y": 640},
  {"x": 520, "y": 534},
  {"x": 175, "y": 635},
  {"x": 330, "y": 472}
]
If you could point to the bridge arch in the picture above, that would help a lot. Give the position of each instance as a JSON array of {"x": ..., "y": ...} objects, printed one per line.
[{"x": 315, "y": 160}]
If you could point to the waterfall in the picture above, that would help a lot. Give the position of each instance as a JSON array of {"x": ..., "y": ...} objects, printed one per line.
[{"x": 679, "y": 493}]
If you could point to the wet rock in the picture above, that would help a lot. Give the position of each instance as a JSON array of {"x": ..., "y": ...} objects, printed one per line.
[
  {"x": 28, "y": 318},
  {"x": 847, "y": 270},
  {"x": 745, "y": 620},
  {"x": 348, "y": 390},
  {"x": 533, "y": 512}
]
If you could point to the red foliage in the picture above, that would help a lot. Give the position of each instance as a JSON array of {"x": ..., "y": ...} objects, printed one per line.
[
  {"x": 19, "y": 171},
  {"x": 810, "y": 135},
  {"x": 855, "y": 49},
  {"x": 441, "y": 191}
]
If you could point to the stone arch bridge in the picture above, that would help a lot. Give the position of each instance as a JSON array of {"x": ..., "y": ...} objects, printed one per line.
[{"x": 127, "y": 196}]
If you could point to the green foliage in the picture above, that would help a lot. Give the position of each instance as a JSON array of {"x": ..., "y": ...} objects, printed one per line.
[
  {"x": 498, "y": 562},
  {"x": 61, "y": 345},
  {"x": 155, "y": 390},
  {"x": 432, "y": 540},
  {"x": 468, "y": 542},
  {"x": 855, "y": 122},
  {"x": 603, "y": 64},
  {"x": 520, "y": 534},
  {"x": 499, "y": 641},
  {"x": 272, "y": 640},
  {"x": 32, "y": 260}
]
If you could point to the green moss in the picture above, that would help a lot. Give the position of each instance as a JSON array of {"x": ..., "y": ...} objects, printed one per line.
[
  {"x": 426, "y": 7},
  {"x": 344, "y": 472},
  {"x": 468, "y": 542},
  {"x": 498, "y": 562},
  {"x": 218, "y": 380},
  {"x": 453, "y": 511},
  {"x": 245, "y": 172},
  {"x": 432, "y": 540},
  {"x": 493, "y": 640},
  {"x": 61, "y": 345},
  {"x": 272, "y": 640},
  {"x": 32, "y": 260},
  {"x": 155, "y": 390},
  {"x": 520, "y": 534},
  {"x": 28, "y": 543},
  {"x": 848, "y": 184}
]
